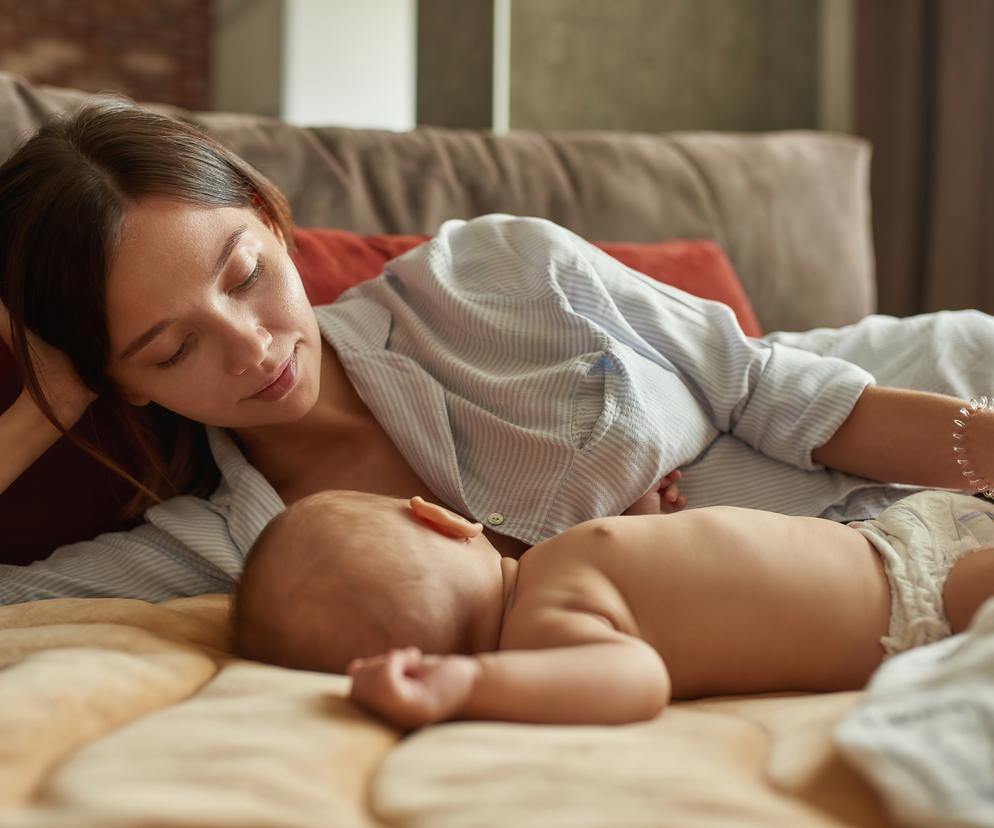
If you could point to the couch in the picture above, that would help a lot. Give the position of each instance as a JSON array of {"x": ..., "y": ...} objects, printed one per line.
[{"x": 122, "y": 713}]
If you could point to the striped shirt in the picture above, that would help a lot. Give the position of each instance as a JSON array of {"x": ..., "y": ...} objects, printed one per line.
[{"x": 529, "y": 378}]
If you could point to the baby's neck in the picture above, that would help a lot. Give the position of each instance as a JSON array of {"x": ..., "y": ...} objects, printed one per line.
[{"x": 489, "y": 621}]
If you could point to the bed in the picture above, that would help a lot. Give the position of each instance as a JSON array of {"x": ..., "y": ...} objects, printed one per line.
[{"x": 123, "y": 713}]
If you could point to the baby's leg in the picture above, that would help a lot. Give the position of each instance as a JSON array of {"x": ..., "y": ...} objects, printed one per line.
[{"x": 970, "y": 583}]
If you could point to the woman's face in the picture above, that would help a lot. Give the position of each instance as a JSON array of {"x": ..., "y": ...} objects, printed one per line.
[{"x": 207, "y": 317}]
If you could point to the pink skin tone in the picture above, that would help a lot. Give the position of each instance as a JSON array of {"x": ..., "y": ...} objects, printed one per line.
[
  {"x": 606, "y": 621},
  {"x": 232, "y": 334},
  {"x": 411, "y": 689}
]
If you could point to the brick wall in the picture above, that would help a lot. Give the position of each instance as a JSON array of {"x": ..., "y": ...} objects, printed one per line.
[{"x": 151, "y": 50}]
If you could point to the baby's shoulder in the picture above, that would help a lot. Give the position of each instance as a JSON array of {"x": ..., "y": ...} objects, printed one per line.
[
  {"x": 564, "y": 582},
  {"x": 588, "y": 541}
]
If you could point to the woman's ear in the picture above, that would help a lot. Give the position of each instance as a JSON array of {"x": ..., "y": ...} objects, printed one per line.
[{"x": 443, "y": 521}]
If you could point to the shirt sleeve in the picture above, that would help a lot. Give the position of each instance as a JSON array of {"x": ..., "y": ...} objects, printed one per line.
[
  {"x": 782, "y": 401},
  {"x": 145, "y": 563}
]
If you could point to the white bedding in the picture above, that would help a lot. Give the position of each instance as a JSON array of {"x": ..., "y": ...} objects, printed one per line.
[
  {"x": 924, "y": 731},
  {"x": 948, "y": 352},
  {"x": 924, "y": 734}
]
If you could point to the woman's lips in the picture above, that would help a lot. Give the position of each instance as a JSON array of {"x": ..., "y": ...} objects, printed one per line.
[{"x": 280, "y": 386}]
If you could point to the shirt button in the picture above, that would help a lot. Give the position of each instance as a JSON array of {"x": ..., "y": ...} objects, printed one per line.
[{"x": 495, "y": 518}]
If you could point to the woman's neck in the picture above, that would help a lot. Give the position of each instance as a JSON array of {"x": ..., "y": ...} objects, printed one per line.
[{"x": 339, "y": 417}]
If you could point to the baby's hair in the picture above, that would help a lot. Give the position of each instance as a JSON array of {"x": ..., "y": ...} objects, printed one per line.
[
  {"x": 63, "y": 194},
  {"x": 313, "y": 607}
]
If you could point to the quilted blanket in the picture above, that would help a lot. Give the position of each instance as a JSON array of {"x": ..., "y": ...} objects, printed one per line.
[{"x": 122, "y": 713}]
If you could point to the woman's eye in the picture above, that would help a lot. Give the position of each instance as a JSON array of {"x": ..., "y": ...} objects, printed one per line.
[
  {"x": 182, "y": 352},
  {"x": 250, "y": 280}
]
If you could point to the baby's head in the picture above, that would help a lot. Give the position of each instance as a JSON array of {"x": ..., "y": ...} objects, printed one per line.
[{"x": 342, "y": 575}]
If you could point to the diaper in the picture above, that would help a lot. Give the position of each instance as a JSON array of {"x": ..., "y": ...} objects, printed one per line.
[{"x": 920, "y": 538}]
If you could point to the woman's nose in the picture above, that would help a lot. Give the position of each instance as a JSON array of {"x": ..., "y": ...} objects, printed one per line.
[{"x": 247, "y": 347}]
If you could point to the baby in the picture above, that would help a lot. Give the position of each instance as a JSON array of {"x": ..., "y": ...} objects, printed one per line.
[{"x": 607, "y": 621}]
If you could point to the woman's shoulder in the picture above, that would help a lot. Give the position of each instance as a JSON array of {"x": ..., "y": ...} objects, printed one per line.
[{"x": 486, "y": 259}]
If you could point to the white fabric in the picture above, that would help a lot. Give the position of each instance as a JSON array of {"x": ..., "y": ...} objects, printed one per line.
[
  {"x": 920, "y": 539},
  {"x": 524, "y": 371},
  {"x": 924, "y": 732}
]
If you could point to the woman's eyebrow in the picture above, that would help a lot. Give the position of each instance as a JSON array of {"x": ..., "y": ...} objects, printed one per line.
[{"x": 144, "y": 339}]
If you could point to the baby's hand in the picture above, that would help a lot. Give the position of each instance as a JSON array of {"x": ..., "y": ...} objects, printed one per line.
[
  {"x": 411, "y": 690},
  {"x": 662, "y": 499}
]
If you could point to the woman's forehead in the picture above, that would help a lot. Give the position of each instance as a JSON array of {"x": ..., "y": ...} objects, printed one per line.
[
  {"x": 166, "y": 251},
  {"x": 168, "y": 228}
]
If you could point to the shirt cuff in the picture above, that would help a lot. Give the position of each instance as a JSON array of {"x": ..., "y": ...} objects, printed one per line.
[{"x": 800, "y": 401}]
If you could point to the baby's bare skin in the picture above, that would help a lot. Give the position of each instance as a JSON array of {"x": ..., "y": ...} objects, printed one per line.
[
  {"x": 603, "y": 623},
  {"x": 735, "y": 601}
]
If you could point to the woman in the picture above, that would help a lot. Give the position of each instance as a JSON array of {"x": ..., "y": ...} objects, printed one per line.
[{"x": 507, "y": 369}]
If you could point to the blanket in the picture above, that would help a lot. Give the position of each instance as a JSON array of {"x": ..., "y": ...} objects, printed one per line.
[
  {"x": 121, "y": 713},
  {"x": 924, "y": 734}
]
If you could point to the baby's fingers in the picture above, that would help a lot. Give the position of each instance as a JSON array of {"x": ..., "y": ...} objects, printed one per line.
[
  {"x": 672, "y": 501},
  {"x": 667, "y": 481}
]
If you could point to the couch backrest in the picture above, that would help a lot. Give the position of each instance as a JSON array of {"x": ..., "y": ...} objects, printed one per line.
[{"x": 791, "y": 209}]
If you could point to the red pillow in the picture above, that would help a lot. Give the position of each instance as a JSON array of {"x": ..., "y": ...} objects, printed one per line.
[
  {"x": 67, "y": 496},
  {"x": 332, "y": 261}
]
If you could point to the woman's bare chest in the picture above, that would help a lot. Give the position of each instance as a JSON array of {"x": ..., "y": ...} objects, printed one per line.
[{"x": 368, "y": 466}]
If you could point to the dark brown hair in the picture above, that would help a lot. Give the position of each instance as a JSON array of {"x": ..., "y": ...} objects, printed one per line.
[{"x": 63, "y": 194}]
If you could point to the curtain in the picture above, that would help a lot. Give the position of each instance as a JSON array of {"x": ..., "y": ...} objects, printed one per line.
[{"x": 925, "y": 99}]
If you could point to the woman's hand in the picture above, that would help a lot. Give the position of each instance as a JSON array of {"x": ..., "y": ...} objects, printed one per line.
[
  {"x": 60, "y": 384},
  {"x": 411, "y": 690},
  {"x": 664, "y": 498}
]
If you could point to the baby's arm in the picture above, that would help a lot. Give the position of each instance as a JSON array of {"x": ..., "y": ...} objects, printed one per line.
[{"x": 582, "y": 672}]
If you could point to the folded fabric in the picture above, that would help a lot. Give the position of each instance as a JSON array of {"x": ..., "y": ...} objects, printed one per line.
[{"x": 924, "y": 733}]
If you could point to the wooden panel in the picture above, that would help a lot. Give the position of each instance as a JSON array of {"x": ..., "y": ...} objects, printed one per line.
[
  {"x": 455, "y": 63},
  {"x": 892, "y": 104},
  {"x": 657, "y": 65},
  {"x": 958, "y": 273}
]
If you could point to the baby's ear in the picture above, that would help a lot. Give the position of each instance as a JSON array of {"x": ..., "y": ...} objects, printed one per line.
[{"x": 443, "y": 521}]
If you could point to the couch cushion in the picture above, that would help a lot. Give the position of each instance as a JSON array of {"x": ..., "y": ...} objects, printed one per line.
[
  {"x": 331, "y": 261},
  {"x": 790, "y": 209}
]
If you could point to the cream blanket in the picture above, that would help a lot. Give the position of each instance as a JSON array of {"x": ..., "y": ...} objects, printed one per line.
[{"x": 122, "y": 713}]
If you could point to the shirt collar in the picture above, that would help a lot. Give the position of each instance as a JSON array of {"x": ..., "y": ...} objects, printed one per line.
[{"x": 251, "y": 501}]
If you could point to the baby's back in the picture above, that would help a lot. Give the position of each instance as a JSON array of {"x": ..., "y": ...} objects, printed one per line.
[{"x": 735, "y": 601}]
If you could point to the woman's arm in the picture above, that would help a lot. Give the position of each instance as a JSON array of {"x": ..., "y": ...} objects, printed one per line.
[
  {"x": 901, "y": 436},
  {"x": 781, "y": 401},
  {"x": 25, "y": 434}
]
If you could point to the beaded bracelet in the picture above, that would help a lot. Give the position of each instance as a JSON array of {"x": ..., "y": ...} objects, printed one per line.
[{"x": 974, "y": 478}]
